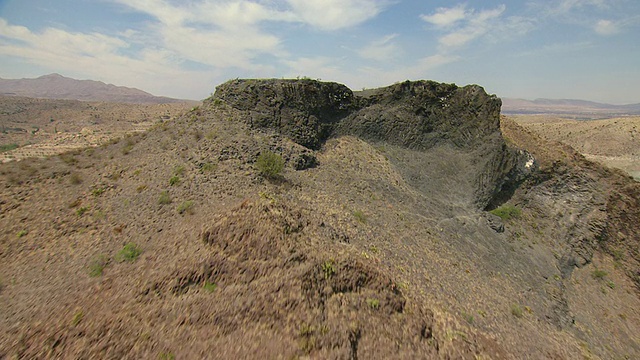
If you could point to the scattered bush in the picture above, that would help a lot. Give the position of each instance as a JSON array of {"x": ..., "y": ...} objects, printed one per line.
[
  {"x": 98, "y": 191},
  {"x": 164, "y": 198},
  {"x": 328, "y": 268},
  {"x": 75, "y": 178},
  {"x": 77, "y": 317},
  {"x": 209, "y": 286},
  {"x": 270, "y": 164},
  {"x": 175, "y": 180},
  {"x": 81, "y": 210},
  {"x": 360, "y": 216},
  {"x": 516, "y": 310},
  {"x": 373, "y": 303},
  {"x": 22, "y": 233},
  {"x": 141, "y": 188},
  {"x": 506, "y": 212},
  {"x": 186, "y": 207},
  {"x": 599, "y": 274},
  {"x": 8, "y": 147},
  {"x": 129, "y": 252},
  {"x": 97, "y": 265},
  {"x": 179, "y": 170}
]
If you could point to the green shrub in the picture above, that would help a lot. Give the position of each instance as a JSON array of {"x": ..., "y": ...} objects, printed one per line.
[
  {"x": 506, "y": 212},
  {"x": 516, "y": 310},
  {"x": 599, "y": 274},
  {"x": 270, "y": 164},
  {"x": 179, "y": 170},
  {"x": 22, "y": 233},
  {"x": 328, "y": 269},
  {"x": 8, "y": 147},
  {"x": 81, "y": 210},
  {"x": 209, "y": 286},
  {"x": 360, "y": 216},
  {"x": 373, "y": 303},
  {"x": 97, "y": 265},
  {"x": 77, "y": 317},
  {"x": 186, "y": 207},
  {"x": 129, "y": 252},
  {"x": 175, "y": 180},
  {"x": 164, "y": 198}
]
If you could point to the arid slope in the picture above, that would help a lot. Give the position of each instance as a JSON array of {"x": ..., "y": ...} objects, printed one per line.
[{"x": 373, "y": 248}]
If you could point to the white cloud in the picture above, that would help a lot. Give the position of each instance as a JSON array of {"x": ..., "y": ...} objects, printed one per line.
[
  {"x": 606, "y": 27},
  {"x": 381, "y": 49},
  {"x": 336, "y": 14},
  {"x": 444, "y": 17},
  {"x": 469, "y": 24}
]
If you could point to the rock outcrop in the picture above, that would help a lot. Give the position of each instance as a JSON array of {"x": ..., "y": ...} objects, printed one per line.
[{"x": 418, "y": 115}]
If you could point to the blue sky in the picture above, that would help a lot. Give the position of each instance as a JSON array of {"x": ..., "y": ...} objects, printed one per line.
[{"x": 579, "y": 49}]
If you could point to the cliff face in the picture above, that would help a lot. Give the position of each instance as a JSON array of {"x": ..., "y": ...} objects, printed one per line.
[{"x": 419, "y": 116}]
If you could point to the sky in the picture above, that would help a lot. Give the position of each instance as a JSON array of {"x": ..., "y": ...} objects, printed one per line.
[{"x": 560, "y": 49}]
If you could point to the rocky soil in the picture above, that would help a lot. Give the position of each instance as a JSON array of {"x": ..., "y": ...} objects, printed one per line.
[{"x": 375, "y": 242}]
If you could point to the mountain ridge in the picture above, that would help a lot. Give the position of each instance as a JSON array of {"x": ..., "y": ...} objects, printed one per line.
[{"x": 56, "y": 86}]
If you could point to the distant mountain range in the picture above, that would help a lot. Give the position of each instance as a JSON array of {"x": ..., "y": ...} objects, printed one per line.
[
  {"x": 56, "y": 86},
  {"x": 566, "y": 106}
]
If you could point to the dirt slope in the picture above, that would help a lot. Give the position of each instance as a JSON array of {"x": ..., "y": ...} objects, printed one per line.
[
  {"x": 612, "y": 142},
  {"x": 380, "y": 250}
]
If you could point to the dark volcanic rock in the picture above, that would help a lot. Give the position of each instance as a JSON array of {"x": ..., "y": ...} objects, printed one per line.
[
  {"x": 422, "y": 114},
  {"x": 304, "y": 110},
  {"x": 416, "y": 115}
]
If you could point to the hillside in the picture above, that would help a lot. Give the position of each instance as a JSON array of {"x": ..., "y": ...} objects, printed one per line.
[
  {"x": 374, "y": 242},
  {"x": 55, "y": 86},
  {"x": 43, "y": 127},
  {"x": 613, "y": 142}
]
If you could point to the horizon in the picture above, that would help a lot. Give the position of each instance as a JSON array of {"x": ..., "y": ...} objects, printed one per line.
[{"x": 568, "y": 49}]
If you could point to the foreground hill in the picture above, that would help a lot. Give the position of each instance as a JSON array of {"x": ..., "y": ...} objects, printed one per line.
[
  {"x": 374, "y": 242},
  {"x": 55, "y": 86},
  {"x": 613, "y": 142}
]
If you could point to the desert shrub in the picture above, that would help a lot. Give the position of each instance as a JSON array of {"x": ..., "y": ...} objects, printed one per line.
[
  {"x": 81, "y": 210},
  {"x": 77, "y": 317},
  {"x": 179, "y": 170},
  {"x": 98, "y": 191},
  {"x": 186, "y": 207},
  {"x": 129, "y": 252},
  {"x": 506, "y": 212},
  {"x": 328, "y": 269},
  {"x": 22, "y": 233},
  {"x": 209, "y": 286},
  {"x": 598, "y": 274},
  {"x": 97, "y": 265},
  {"x": 8, "y": 147},
  {"x": 175, "y": 180},
  {"x": 270, "y": 164},
  {"x": 373, "y": 303},
  {"x": 360, "y": 216},
  {"x": 75, "y": 178},
  {"x": 516, "y": 310},
  {"x": 164, "y": 198}
]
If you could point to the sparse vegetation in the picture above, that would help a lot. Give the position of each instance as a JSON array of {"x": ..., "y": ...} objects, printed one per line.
[
  {"x": 329, "y": 269},
  {"x": 206, "y": 167},
  {"x": 141, "y": 188},
  {"x": 179, "y": 170},
  {"x": 516, "y": 310},
  {"x": 166, "y": 355},
  {"x": 77, "y": 317},
  {"x": 186, "y": 207},
  {"x": 81, "y": 210},
  {"x": 270, "y": 164},
  {"x": 209, "y": 286},
  {"x": 373, "y": 303},
  {"x": 360, "y": 216},
  {"x": 165, "y": 198},
  {"x": 599, "y": 274},
  {"x": 8, "y": 147},
  {"x": 75, "y": 178},
  {"x": 97, "y": 265},
  {"x": 98, "y": 191},
  {"x": 175, "y": 180},
  {"x": 129, "y": 252},
  {"x": 22, "y": 233},
  {"x": 506, "y": 212}
]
